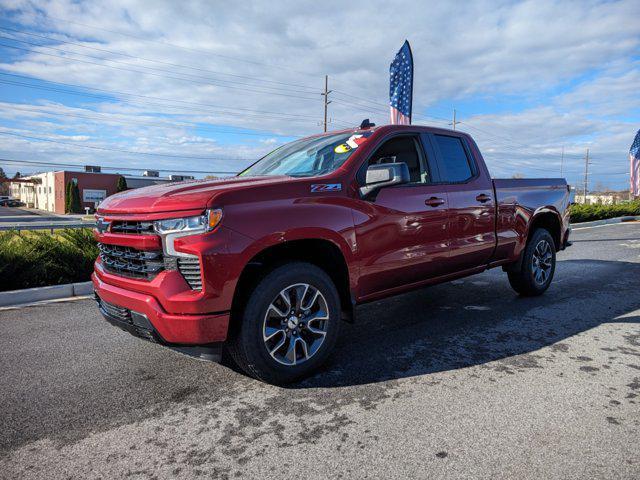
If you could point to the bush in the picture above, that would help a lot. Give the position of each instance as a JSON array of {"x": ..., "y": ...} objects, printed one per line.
[
  {"x": 37, "y": 259},
  {"x": 588, "y": 213}
]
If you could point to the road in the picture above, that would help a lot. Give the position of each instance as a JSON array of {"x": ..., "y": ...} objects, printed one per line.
[
  {"x": 13, "y": 217},
  {"x": 461, "y": 380}
]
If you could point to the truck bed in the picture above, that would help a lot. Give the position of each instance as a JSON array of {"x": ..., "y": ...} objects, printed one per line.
[{"x": 518, "y": 200}]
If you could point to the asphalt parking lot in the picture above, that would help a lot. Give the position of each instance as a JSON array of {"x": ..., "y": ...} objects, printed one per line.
[
  {"x": 461, "y": 380},
  {"x": 25, "y": 218}
]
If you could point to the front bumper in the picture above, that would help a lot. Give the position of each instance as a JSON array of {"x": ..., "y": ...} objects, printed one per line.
[{"x": 147, "y": 319}]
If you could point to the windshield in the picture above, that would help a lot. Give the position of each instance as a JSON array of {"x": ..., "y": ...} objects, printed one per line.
[{"x": 308, "y": 157}]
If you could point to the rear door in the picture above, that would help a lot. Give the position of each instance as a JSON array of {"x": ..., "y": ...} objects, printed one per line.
[
  {"x": 471, "y": 202},
  {"x": 402, "y": 231}
]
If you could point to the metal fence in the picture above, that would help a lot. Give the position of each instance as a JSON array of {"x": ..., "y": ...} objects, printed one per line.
[{"x": 49, "y": 226}]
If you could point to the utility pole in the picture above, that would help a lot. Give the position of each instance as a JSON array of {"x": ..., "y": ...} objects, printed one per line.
[
  {"x": 454, "y": 123},
  {"x": 561, "y": 161},
  {"x": 586, "y": 175},
  {"x": 325, "y": 94}
]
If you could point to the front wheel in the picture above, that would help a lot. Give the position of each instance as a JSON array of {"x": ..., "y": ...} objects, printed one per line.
[
  {"x": 289, "y": 325},
  {"x": 538, "y": 265}
]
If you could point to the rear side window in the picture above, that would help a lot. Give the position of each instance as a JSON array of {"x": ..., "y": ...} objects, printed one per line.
[{"x": 455, "y": 163}]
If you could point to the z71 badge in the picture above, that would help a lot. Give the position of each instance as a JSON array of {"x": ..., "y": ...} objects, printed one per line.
[{"x": 326, "y": 187}]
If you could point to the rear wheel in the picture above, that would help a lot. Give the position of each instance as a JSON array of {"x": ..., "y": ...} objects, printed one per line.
[
  {"x": 538, "y": 265},
  {"x": 289, "y": 325}
]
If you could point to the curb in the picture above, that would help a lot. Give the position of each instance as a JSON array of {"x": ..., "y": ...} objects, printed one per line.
[
  {"x": 31, "y": 295},
  {"x": 607, "y": 221}
]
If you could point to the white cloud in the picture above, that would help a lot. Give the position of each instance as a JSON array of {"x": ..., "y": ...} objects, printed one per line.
[{"x": 534, "y": 49}]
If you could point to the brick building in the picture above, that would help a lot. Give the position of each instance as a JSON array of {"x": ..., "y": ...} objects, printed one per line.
[{"x": 46, "y": 191}]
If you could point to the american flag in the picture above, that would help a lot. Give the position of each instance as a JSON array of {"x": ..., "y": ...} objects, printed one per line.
[
  {"x": 401, "y": 86},
  {"x": 634, "y": 157}
]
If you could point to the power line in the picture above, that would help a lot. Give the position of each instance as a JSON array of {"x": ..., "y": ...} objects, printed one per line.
[
  {"x": 210, "y": 81},
  {"x": 166, "y": 63},
  {"x": 345, "y": 123},
  {"x": 47, "y": 16},
  {"x": 66, "y": 42},
  {"x": 199, "y": 51},
  {"x": 108, "y": 149},
  {"x": 179, "y": 123},
  {"x": 109, "y": 167},
  {"x": 159, "y": 42},
  {"x": 510, "y": 141},
  {"x": 370, "y": 109},
  {"x": 127, "y": 94},
  {"x": 238, "y": 76},
  {"x": 143, "y": 105},
  {"x": 151, "y": 73}
]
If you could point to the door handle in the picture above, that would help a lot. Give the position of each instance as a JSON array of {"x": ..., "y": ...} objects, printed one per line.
[
  {"x": 434, "y": 201},
  {"x": 482, "y": 198}
]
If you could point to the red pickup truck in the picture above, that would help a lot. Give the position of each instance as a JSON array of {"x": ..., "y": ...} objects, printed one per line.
[{"x": 268, "y": 263}]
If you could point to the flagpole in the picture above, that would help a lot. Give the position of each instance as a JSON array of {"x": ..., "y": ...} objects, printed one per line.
[{"x": 413, "y": 72}]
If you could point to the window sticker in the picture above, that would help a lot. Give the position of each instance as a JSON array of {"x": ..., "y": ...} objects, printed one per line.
[
  {"x": 353, "y": 142},
  {"x": 356, "y": 140}
]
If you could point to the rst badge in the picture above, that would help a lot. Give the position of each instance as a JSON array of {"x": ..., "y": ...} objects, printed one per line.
[{"x": 325, "y": 187}]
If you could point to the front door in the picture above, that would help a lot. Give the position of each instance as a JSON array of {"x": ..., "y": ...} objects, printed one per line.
[{"x": 402, "y": 231}]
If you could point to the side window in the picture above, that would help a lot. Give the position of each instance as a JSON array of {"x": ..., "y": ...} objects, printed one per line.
[
  {"x": 455, "y": 165},
  {"x": 402, "y": 149}
]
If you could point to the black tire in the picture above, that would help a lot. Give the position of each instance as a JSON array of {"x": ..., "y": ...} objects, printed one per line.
[
  {"x": 526, "y": 281},
  {"x": 249, "y": 349}
]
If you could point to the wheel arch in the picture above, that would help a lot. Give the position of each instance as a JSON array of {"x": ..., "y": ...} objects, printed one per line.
[
  {"x": 320, "y": 252},
  {"x": 546, "y": 218},
  {"x": 550, "y": 220}
]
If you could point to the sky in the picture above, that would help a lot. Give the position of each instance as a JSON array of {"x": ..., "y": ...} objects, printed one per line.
[{"x": 209, "y": 87}]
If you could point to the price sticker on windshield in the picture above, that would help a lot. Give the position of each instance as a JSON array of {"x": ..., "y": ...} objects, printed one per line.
[{"x": 353, "y": 142}]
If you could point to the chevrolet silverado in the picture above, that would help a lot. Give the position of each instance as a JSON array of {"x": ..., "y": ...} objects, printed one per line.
[{"x": 265, "y": 265}]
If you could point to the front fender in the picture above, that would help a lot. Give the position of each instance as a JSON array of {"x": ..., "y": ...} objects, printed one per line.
[{"x": 275, "y": 222}]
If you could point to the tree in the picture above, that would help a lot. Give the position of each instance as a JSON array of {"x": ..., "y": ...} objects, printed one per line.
[
  {"x": 17, "y": 175},
  {"x": 72, "y": 202},
  {"x": 4, "y": 186},
  {"x": 76, "y": 205},
  {"x": 67, "y": 198},
  {"x": 122, "y": 184}
]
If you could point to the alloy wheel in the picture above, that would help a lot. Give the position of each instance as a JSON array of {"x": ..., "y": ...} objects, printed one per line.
[
  {"x": 541, "y": 262},
  {"x": 295, "y": 324}
]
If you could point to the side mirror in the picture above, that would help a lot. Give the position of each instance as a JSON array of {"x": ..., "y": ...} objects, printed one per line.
[{"x": 384, "y": 175}]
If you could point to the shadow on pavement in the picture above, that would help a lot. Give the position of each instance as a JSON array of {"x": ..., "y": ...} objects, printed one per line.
[
  {"x": 476, "y": 321},
  {"x": 79, "y": 376}
]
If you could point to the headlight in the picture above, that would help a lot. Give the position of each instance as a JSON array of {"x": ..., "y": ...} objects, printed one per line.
[
  {"x": 173, "y": 228},
  {"x": 189, "y": 225}
]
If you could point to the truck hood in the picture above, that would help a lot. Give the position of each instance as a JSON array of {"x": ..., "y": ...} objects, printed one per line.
[{"x": 171, "y": 197}]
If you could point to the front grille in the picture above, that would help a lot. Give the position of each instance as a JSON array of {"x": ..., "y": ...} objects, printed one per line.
[
  {"x": 189, "y": 267},
  {"x": 132, "y": 227},
  {"x": 130, "y": 262}
]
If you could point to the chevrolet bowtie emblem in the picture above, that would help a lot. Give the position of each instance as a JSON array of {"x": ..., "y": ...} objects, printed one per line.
[{"x": 102, "y": 226}]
